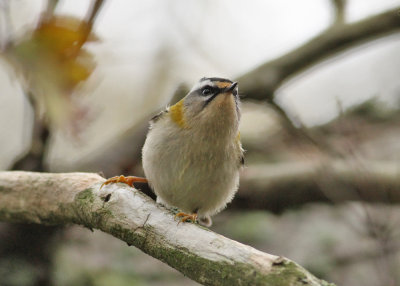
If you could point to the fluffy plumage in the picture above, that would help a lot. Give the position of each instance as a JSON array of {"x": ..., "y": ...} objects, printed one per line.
[{"x": 192, "y": 154}]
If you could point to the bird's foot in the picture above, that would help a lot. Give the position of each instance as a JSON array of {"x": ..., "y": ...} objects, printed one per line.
[
  {"x": 183, "y": 217},
  {"x": 126, "y": 180}
]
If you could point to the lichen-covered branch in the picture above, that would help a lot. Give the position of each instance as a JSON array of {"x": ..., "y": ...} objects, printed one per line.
[
  {"x": 262, "y": 82},
  {"x": 129, "y": 215}
]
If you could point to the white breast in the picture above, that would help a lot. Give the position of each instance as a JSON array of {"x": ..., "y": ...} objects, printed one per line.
[{"x": 191, "y": 169}]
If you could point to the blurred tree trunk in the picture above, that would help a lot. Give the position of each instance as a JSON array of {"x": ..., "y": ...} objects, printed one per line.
[{"x": 29, "y": 246}]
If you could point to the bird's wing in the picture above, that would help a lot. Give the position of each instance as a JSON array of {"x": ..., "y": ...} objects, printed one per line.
[
  {"x": 242, "y": 159},
  {"x": 239, "y": 144}
]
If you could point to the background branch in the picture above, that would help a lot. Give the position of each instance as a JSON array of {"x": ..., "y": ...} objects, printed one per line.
[
  {"x": 262, "y": 82},
  {"x": 198, "y": 253},
  {"x": 276, "y": 187},
  {"x": 340, "y": 10}
]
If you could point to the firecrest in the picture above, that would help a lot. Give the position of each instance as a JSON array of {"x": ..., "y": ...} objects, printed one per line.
[{"x": 192, "y": 153}]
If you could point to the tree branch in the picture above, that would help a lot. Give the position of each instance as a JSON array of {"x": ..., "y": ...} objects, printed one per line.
[
  {"x": 340, "y": 10},
  {"x": 129, "y": 215},
  {"x": 276, "y": 187},
  {"x": 262, "y": 82}
]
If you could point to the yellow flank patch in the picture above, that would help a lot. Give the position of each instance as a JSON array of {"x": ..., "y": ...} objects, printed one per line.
[
  {"x": 223, "y": 84},
  {"x": 177, "y": 115}
]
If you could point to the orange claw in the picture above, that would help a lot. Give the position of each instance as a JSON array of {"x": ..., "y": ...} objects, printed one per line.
[
  {"x": 183, "y": 217},
  {"x": 126, "y": 180}
]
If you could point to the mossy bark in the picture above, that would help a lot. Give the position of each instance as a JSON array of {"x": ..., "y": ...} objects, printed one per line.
[{"x": 131, "y": 216}]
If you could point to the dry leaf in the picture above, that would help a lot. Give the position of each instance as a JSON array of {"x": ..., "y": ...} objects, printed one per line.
[{"x": 53, "y": 64}]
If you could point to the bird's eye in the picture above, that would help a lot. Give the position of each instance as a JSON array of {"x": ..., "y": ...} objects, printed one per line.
[{"x": 206, "y": 91}]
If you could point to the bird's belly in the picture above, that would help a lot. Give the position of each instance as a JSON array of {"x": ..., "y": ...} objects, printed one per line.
[
  {"x": 201, "y": 182},
  {"x": 204, "y": 190}
]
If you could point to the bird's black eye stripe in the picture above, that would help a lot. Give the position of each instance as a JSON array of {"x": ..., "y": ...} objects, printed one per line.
[{"x": 208, "y": 90}]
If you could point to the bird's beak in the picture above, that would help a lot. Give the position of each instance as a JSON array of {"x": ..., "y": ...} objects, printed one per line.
[{"x": 232, "y": 87}]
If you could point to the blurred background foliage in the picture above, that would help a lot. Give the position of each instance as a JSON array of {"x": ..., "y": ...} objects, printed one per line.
[{"x": 80, "y": 79}]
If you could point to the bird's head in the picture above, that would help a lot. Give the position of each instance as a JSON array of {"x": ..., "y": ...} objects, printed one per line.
[{"x": 211, "y": 102}]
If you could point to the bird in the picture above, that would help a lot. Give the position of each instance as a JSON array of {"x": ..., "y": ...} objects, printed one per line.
[{"x": 192, "y": 154}]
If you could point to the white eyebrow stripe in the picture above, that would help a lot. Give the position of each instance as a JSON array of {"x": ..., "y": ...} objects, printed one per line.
[{"x": 202, "y": 84}]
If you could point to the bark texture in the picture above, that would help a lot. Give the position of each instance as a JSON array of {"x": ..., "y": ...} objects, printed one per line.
[{"x": 200, "y": 254}]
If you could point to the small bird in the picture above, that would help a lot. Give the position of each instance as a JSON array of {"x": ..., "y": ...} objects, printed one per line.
[{"x": 192, "y": 154}]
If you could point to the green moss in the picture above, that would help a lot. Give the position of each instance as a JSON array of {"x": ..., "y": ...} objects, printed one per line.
[
  {"x": 84, "y": 197},
  {"x": 210, "y": 272},
  {"x": 81, "y": 207},
  {"x": 100, "y": 217},
  {"x": 49, "y": 183},
  {"x": 203, "y": 270},
  {"x": 85, "y": 212},
  {"x": 130, "y": 236}
]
